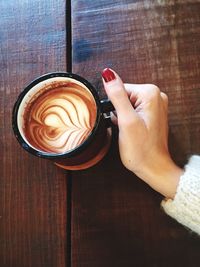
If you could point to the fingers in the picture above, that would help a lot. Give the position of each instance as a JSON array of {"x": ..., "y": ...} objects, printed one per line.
[
  {"x": 145, "y": 92},
  {"x": 116, "y": 92},
  {"x": 165, "y": 99},
  {"x": 129, "y": 99}
]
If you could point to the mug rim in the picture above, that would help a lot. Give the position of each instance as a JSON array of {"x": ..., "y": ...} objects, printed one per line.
[{"x": 50, "y": 155}]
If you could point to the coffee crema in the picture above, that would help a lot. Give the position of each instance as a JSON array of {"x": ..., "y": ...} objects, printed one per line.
[{"x": 60, "y": 118}]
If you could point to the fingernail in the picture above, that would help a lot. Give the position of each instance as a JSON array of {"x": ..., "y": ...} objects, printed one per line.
[{"x": 108, "y": 75}]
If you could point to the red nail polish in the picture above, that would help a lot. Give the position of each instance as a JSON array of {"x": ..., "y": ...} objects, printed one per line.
[{"x": 108, "y": 75}]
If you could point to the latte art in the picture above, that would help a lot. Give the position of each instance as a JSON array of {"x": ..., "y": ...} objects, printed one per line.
[{"x": 60, "y": 119}]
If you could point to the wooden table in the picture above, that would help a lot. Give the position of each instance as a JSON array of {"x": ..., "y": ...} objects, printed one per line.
[{"x": 103, "y": 216}]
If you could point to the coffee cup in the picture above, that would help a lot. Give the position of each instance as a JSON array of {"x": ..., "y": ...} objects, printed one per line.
[{"x": 59, "y": 116}]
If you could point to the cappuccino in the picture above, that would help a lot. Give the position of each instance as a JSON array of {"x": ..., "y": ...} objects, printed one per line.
[{"x": 57, "y": 115}]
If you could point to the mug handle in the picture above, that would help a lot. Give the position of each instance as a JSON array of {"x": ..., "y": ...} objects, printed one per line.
[{"x": 107, "y": 107}]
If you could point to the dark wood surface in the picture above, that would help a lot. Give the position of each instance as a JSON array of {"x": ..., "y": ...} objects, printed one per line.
[
  {"x": 32, "y": 191},
  {"x": 116, "y": 219}
]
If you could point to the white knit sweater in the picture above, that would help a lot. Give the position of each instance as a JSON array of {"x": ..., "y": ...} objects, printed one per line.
[{"x": 185, "y": 208}]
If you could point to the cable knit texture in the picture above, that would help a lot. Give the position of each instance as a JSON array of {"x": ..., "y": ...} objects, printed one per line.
[{"x": 185, "y": 208}]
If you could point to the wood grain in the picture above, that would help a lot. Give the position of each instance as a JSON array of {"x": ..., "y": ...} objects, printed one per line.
[
  {"x": 32, "y": 191},
  {"x": 116, "y": 219}
]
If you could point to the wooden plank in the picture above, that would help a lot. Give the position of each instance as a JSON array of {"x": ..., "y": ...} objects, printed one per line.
[
  {"x": 116, "y": 219},
  {"x": 32, "y": 191}
]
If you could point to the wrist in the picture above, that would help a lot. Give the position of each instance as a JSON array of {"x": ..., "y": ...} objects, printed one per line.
[
  {"x": 168, "y": 180},
  {"x": 163, "y": 176}
]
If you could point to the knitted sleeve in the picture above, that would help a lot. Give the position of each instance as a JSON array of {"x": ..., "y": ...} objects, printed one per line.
[{"x": 185, "y": 207}]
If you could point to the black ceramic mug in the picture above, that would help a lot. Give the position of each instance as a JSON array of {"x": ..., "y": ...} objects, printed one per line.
[{"x": 60, "y": 117}]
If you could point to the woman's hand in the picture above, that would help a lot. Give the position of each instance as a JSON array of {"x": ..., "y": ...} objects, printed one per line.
[{"x": 141, "y": 115}]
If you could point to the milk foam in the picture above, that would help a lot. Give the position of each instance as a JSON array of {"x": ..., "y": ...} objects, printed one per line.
[{"x": 61, "y": 118}]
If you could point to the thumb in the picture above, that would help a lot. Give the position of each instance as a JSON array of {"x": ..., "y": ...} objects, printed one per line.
[{"x": 117, "y": 94}]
